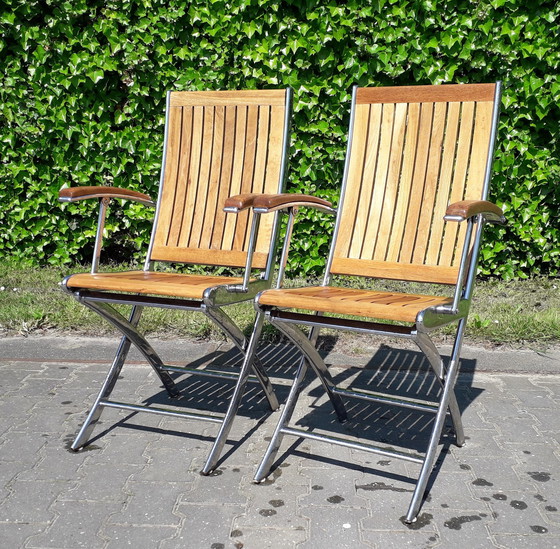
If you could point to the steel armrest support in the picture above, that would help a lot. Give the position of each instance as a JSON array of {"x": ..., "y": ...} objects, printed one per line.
[
  {"x": 465, "y": 209},
  {"x": 269, "y": 203},
  {"x": 104, "y": 194},
  {"x": 471, "y": 211}
]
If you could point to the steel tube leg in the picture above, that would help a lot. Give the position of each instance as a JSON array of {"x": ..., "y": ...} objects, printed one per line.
[
  {"x": 236, "y": 335},
  {"x": 316, "y": 362},
  {"x": 108, "y": 385},
  {"x": 129, "y": 330},
  {"x": 287, "y": 412},
  {"x": 429, "y": 460},
  {"x": 428, "y": 348},
  {"x": 235, "y": 400}
]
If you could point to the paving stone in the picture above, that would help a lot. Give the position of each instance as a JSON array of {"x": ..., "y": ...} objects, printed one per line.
[
  {"x": 450, "y": 490},
  {"x": 516, "y": 513},
  {"x": 466, "y": 527},
  {"x": 100, "y": 482},
  {"x": 138, "y": 537},
  {"x": 205, "y": 525},
  {"x": 21, "y": 446},
  {"x": 535, "y": 541},
  {"x": 350, "y": 490},
  {"x": 498, "y": 476},
  {"x": 30, "y": 501},
  {"x": 479, "y": 443},
  {"x": 76, "y": 525},
  {"x": 166, "y": 463},
  {"x": 128, "y": 446},
  {"x": 150, "y": 503},
  {"x": 334, "y": 527},
  {"x": 266, "y": 538},
  {"x": 15, "y": 534},
  {"x": 222, "y": 486},
  {"x": 55, "y": 464},
  {"x": 272, "y": 506},
  {"x": 397, "y": 539}
]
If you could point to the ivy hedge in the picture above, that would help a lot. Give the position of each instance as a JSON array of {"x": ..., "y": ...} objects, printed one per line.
[{"x": 82, "y": 100}]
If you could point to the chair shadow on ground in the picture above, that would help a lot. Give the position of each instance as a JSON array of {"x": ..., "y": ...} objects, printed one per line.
[{"x": 398, "y": 372}]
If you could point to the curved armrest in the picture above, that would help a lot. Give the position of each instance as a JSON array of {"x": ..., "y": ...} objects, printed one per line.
[
  {"x": 73, "y": 194},
  {"x": 265, "y": 203},
  {"x": 459, "y": 211},
  {"x": 239, "y": 202}
]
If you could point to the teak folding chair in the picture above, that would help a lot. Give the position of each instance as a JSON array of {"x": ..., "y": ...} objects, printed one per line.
[
  {"x": 412, "y": 208},
  {"x": 216, "y": 144}
]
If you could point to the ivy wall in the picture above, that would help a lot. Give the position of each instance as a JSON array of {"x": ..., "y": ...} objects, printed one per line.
[{"x": 83, "y": 85}]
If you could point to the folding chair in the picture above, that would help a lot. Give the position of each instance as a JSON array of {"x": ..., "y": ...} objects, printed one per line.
[
  {"x": 412, "y": 208},
  {"x": 216, "y": 144}
]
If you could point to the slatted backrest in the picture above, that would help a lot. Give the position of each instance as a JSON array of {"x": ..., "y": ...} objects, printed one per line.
[
  {"x": 218, "y": 144},
  {"x": 414, "y": 151}
]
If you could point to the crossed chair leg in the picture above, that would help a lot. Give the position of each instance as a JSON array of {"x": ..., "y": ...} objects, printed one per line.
[
  {"x": 447, "y": 403},
  {"x": 131, "y": 336}
]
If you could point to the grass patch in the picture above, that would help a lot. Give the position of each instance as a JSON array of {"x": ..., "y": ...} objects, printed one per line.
[{"x": 518, "y": 313}]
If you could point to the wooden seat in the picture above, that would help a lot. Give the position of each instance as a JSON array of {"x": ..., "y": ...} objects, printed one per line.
[
  {"x": 412, "y": 208},
  {"x": 154, "y": 283},
  {"x": 216, "y": 144},
  {"x": 347, "y": 301}
]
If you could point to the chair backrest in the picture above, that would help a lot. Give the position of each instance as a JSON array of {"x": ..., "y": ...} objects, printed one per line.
[
  {"x": 413, "y": 150},
  {"x": 218, "y": 144}
]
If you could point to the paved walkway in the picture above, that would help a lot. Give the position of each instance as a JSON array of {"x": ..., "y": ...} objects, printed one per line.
[{"x": 138, "y": 484}]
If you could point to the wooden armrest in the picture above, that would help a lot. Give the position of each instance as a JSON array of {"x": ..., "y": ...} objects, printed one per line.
[
  {"x": 73, "y": 194},
  {"x": 459, "y": 211},
  {"x": 239, "y": 202},
  {"x": 265, "y": 203}
]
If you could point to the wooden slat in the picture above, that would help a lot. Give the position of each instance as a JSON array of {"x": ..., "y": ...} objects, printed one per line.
[
  {"x": 365, "y": 303},
  {"x": 142, "y": 282},
  {"x": 356, "y": 172},
  {"x": 203, "y": 187},
  {"x": 170, "y": 175},
  {"x": 477, "y": 164},
  {"x": 426, "y": 94},
  {"x": 446, "y": 173},
  {"x": 418, "y": 181},
  {"x": 262, "y": 149},
  {"x": 454, "y": 231},
  {"x": 214, "y": 181},
  {"x": 430, "y": 185},
  {"x": 272, "y": 173},
  {"x": 182, "y": 178},
  {"x": 224, "y": 184},
  {"x": 405, "y": 185},
  {"x": 367, "y": 240},
  {"x": 236, "y": 176},
  {"x": 393, "y": 183},
  {"x": 479, "y": 154},
  {"x": 224, "y": 97},
  {"x": 395, "y": 270},
  {"x": 193, "y": 176}
]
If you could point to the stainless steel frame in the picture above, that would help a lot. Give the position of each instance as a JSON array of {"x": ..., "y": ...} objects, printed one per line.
[
  {"x": 446, "y": 374},
  {"x": 212, "y": 305}
]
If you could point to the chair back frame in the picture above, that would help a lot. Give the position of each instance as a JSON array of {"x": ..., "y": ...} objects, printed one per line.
[
  {"x": 468, "y": 262},
  {"x": 266, "y": 273}
]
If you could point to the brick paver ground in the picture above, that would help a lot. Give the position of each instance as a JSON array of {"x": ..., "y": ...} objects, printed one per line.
[{"x": 139, "y": 485}]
